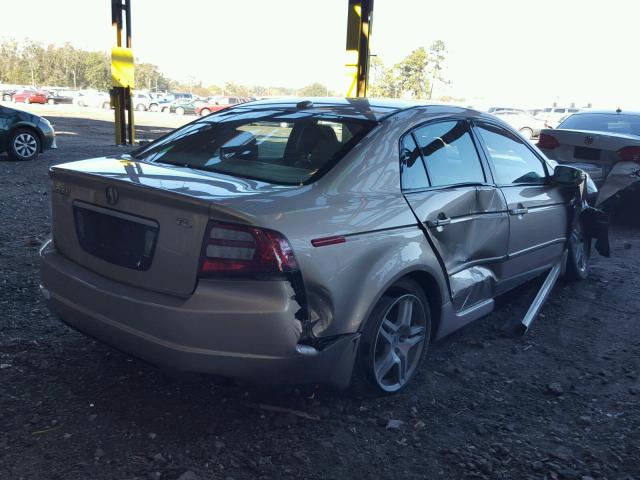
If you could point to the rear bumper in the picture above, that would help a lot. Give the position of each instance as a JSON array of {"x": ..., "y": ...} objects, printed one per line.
[{"x": 243, "y": 329}]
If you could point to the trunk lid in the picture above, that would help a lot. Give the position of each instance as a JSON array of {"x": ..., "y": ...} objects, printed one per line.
[
  {"x": 594, "y": 152},
  {"x": 140, "y": 223}
]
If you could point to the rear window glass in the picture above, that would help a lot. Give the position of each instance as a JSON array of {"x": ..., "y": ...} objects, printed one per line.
[
  {"x": 276, "y": 147},
  {"x": 603, "y": 122}
]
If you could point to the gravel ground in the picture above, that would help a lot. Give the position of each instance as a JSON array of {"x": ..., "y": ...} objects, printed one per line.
[{"x": 560, "y": 403}]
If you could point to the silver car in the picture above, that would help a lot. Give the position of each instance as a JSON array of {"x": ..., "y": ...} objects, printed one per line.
[{"x": 306, "y": 241}]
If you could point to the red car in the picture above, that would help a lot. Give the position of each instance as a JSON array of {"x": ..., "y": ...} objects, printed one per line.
[
  {"x": 215, "y": 104},
  {"x": 30, "y": 96}
]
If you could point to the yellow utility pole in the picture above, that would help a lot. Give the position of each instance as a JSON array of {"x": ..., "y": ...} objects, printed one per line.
[
  {"x": 359, "y": 20},
  {"x": 122, "y": 73}
]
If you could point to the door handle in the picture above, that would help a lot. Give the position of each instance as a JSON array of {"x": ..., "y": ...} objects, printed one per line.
[
  {"x": 440, "y": 222},
  {"x": 519, "y": 211}
]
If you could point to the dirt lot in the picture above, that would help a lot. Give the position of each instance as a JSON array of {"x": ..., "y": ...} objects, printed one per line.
[{"x": 561, "y": 403}]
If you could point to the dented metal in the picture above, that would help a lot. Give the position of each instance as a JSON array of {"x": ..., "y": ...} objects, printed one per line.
[
  {"x": 465, "y": 244},
  {"x": 621, "y": 177}
]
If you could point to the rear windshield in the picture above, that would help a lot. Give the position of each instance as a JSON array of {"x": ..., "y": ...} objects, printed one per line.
[
  {"x": 282, "y": 147},
  {"x": 604, "y": 122}
]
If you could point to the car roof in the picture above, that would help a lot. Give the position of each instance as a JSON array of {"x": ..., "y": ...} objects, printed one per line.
[
  {"x": 356, "y": 108},
  {"x": 610, "y": 112}
]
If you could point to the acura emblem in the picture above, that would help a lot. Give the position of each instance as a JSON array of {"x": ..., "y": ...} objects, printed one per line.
[
  {"x": 112, "y": 195},
  {"x": 588, "y": 140}
]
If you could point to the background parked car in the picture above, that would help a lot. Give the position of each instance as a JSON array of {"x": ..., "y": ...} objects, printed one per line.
[
  {"x": 554, "y": 115},
  {"x": 181, "y": 106},
  {"x": 217, "y": 103},
  {"x": 90, "y": 98},
  {"x": 605, "y": 144},
  {"x": 528, "y": 126},
  {"x": 502, "y": 109},
  {"x": 24, "y": 135},
  {"x": 163, "y": 104},
  {"x": 156, "y": 99},
  {"x": 7, "y": 94},
  {"x": 142, "y": 101},
  {"x": 56, "y": 97},
  {"x": 30, "y": 96}
]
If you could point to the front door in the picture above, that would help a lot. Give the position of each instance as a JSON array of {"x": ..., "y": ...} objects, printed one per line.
[
  {"x": 537, "y": 209},
  {"x": 464, "y": 216}
]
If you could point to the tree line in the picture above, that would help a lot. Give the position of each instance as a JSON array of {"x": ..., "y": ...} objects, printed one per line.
[
  {"x": 413, "y": 77},
  {"x": 36, "y": 64}
]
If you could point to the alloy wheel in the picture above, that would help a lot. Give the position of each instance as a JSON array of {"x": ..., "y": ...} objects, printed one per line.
[
  {"x": 25, "y": 145},
  {"x": 399, "y": 342},
  {"x": 579, "y": 249}
]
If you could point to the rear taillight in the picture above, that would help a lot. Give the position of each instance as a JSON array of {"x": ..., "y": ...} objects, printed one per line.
[
  {"x": 234, "y": 248},
  {"x": 547, "y": 141},
  {"x": 629, "y": 154}
]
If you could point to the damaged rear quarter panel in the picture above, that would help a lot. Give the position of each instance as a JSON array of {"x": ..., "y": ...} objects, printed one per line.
[{"x": 359, "y": 199}]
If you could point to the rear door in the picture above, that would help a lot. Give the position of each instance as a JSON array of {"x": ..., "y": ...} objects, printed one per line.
[
  {"x": 537, "y": 209},
  {"x": 464, "y": 216}
]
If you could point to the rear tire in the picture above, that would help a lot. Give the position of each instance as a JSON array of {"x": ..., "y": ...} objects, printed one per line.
[
  {"x": 24, "y": 144},
  {"x": 204, "y": 112},
  {"x": 579, "y": 255},
  {"x": 395, "y": 340},
  {"x": 51, "y": 101},
  {"x": 27, "y": 101},
  {"x": 141, "y": 108},
  {"x": 180, "y": 111}
]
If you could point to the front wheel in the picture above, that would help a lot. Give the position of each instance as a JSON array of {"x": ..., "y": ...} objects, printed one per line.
[
  {"x": 51, "y": 101},
  {"x": 579, "y": 255},
  {"x": 24, "y": 144},
  {"x": 180, "y": 111},
  {"x": 395, "y": 338},
  {"x": 27, "y": 100},
  {"x": 204, "y": 112}
]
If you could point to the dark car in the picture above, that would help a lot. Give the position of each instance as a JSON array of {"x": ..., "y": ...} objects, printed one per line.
[
  {"x": 24, "y": 135},
  {"x": 59, "y": 97},
  {"x": 180, "y": 106},
  {"x": 7, "y": 95}
]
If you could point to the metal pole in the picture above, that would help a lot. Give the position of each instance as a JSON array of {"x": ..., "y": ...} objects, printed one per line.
[
  {"x": 127, "y": 91},
  {"x": 359, "y": 19},
  {"x": 124, "y": 124},
  {"x": 363, "y": 47}
]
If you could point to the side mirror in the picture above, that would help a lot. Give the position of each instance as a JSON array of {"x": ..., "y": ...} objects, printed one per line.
[{"x": 567, "y": 176}]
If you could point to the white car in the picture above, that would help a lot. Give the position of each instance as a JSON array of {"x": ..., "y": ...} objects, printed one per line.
[
  {"x": 554, "y": 115},
  {"x": 528, "y": 126},
  {"x": 142, "y": 101},
  {"x": 91, "y": 98},
  {"x": 605, "y": 144}
]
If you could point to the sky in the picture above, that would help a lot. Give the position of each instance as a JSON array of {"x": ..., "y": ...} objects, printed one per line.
[{"x": 530, "y": 53}]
